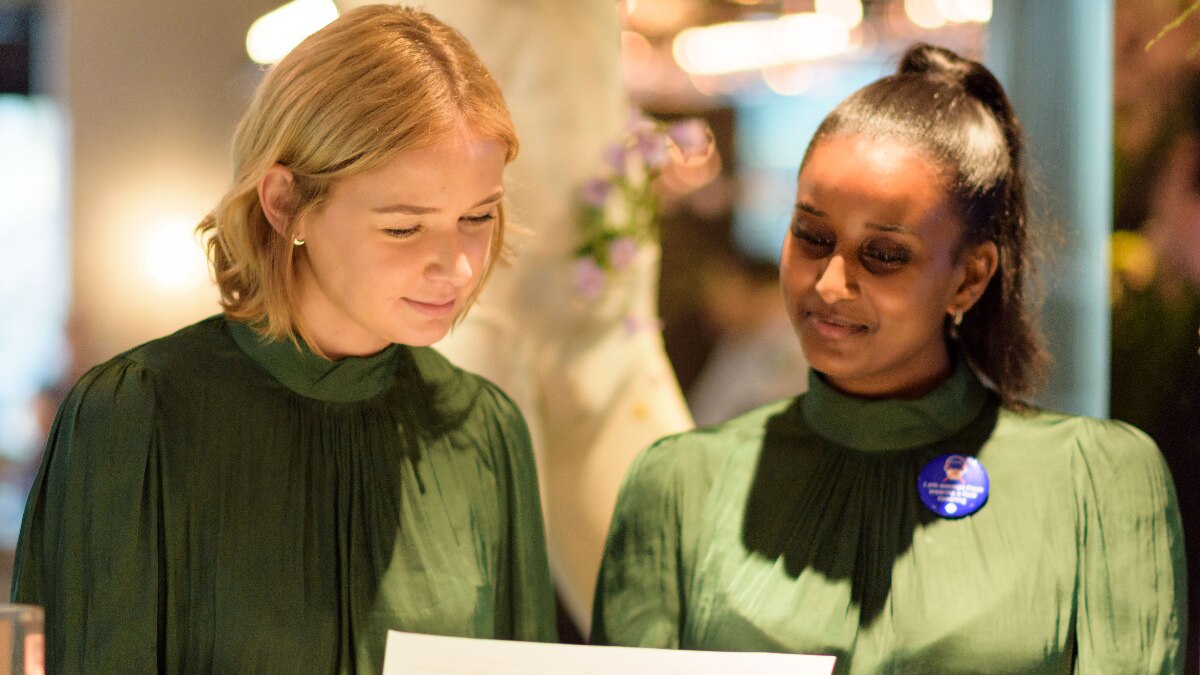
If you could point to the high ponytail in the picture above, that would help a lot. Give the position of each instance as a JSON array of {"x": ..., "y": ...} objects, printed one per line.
[{"x": 955, "y": 111}]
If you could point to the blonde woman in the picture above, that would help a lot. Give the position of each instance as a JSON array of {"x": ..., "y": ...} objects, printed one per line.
[
  {"x": 273, "y": 488},
  {"x": 590, "y": 376}
]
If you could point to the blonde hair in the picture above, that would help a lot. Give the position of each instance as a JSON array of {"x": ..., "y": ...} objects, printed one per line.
[{"x": 378, "y": 81}]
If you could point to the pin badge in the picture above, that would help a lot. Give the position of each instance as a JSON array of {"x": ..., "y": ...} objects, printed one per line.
[{"x": 953, "y": 486}]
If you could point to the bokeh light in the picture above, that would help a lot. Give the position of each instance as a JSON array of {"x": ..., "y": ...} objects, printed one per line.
[{"x": 275, "y": 33}]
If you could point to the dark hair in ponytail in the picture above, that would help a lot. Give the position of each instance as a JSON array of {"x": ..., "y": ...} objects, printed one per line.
[{"x": 955, "y": 111}]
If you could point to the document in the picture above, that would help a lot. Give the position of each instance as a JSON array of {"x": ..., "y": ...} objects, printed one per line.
[{"x": 414, "y": 654}]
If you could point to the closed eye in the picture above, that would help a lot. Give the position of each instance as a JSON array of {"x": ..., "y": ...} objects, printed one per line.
[
  {"x": 886, "y": 256},
  {"x": 402, "y": 232},
  {"x": 884, "y": 259},
  {"x": 480, "y": 219},
  {"x": 813, "y": 244},
  {"x": 812, "y": 238}
]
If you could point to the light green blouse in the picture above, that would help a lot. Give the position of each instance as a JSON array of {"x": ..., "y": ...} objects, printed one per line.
[
  {"x": 212, "y": 503},
  {"x": 798, "y": 528}
]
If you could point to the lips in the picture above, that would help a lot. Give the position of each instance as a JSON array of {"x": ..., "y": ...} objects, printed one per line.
[
  {"x": 435, "y": 308},
  {"x": 833, "y": 326}
]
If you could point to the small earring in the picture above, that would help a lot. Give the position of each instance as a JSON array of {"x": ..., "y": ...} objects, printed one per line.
[
  {"x": 297, "y": 242},
  {"x": 955, "y": 322}
]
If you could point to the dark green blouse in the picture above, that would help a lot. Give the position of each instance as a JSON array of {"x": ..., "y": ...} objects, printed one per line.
[
  {"x": 798, "y": 528},
  {"x": 212, "y": 503}
]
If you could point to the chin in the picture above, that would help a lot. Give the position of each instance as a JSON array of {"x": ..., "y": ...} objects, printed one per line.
[
  {"x": 833, "y": 365},
  {"x": 422, "y": 338},
  {"x": 416, "y": 340},
  {"x": 819, "y": 352}
]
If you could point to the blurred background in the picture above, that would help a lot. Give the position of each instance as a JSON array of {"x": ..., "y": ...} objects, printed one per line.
[{"x": 116, "y": 119}]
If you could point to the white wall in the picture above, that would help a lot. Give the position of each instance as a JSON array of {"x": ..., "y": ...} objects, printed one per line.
[{"x": 152, "y": 92}]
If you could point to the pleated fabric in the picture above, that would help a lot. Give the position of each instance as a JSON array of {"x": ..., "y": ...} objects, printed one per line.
[
  {"x": 799, "y": 528},
  {"x": 209, "y": 502}
]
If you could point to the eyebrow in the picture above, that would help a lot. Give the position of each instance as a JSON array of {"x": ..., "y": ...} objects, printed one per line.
[
  {"x": 882, "y": 227},
  {"x": 810, "y": 209},
  {"x": 891, "y": 227},
  {"x": 414, "y": 210}
]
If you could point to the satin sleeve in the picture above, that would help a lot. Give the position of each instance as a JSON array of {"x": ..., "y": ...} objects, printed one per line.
[
  {"x": 1131, "y": 615},
  {"x": 640, "y": 591},
  {"x": 526, "y": 591},
  {"x": 89, "y": 549}
]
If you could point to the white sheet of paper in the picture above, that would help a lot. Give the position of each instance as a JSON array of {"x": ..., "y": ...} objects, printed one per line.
[{"x": 414, "y": 654}]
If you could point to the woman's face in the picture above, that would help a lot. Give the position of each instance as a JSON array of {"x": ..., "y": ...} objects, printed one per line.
[
  {"x": 868, "y": 269},
  {"x": 396, "y": 251}
]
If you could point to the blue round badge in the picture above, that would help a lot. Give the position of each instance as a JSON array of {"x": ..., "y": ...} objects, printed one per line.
[{"x": 953, "y": 486}]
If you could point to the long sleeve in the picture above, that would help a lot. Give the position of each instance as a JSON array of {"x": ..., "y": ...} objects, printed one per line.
[
  {"x": 526, "y": 589},
  {"x": 213, "y": 503},
  {"x": 1131, "y": 614},
  {"x": 799, "y": 529},
  {"x": 88, "y": 551},
  {"x": 639, "y": 593}
]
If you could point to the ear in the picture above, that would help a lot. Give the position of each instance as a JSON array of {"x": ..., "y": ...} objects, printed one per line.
[
  {"x": 275, "y": 196},
  {"x": 979, "y": 266}
]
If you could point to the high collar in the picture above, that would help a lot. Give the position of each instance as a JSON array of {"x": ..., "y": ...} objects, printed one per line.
[
  {"x": 353, "y": 378},
  {"x": 894, "y": 424}
]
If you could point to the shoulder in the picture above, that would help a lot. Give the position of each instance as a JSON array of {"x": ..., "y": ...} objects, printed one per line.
[
  {"x": 181, "y": 356},
  {"x": 129, "y": 383},
  {"x": 1078, "y": 434},
  {"x": 1101, "y": 454},
  {"x": 1121, "y": 460},
  {"x": 189, "y": 348},
  {"x": 692, "y": 459},
  {"x": 458, "y": 389},
  {"x": 465, "y": 408}
]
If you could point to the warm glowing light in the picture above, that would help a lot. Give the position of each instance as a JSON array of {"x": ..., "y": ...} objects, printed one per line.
[
  {"x": 171, "y": 260},
  {"x": 924, "y": 13},
  {"x": 808, "y": 37},
  {"x": 275, "y": 33},
  {"x": 951, "y": 11},
  {"x": 722, "y": 48},
  {"x": 660, "y": 17},
  {"x": 849, "y": 12},
  {"x": 962, "y": 11},
  {"x": 750, "y": 45},
  {"x": 979, "y": 11}
]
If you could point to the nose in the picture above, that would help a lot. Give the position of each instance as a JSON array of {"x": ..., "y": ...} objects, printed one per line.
[
  {"x": 833, "y": 284},
  {"x": 451, "y": 262}
]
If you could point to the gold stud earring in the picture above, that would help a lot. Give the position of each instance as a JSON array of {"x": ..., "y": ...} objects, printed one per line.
[
  {"x": 958, "y": 318},
  {"x": 297, "y": 242}
]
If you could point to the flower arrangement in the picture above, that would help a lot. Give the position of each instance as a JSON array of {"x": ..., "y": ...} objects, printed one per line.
[{"x": 619, "y": 207}]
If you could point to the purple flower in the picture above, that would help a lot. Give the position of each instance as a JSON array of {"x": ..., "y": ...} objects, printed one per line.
[
  {"x": 691, "y": 136},
  {"x": 589, "y": 279},
  {"x": 614, "y": 156},
  {"x": 595, "y": 192},
  {"x": 652, "y": 144},
  {"x": 621, "y": 252}
]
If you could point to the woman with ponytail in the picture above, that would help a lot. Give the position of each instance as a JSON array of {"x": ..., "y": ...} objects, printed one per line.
[
  {"x": 911, "y": 512},
  {"x": 274, "y": 488}
]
